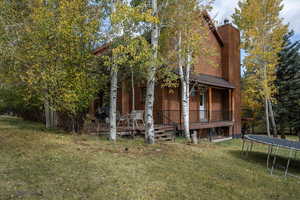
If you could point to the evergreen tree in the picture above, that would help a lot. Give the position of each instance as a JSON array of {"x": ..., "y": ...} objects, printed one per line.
[{"x": 288, "y": 84}]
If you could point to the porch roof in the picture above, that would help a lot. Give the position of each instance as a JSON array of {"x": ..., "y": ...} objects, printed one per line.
[{"x": 211, "y": 80}]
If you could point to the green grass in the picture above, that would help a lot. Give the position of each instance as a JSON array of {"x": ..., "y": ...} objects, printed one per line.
[{"x": 40, "y": 164}]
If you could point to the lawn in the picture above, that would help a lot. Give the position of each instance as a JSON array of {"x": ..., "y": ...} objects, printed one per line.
[{"x": 40, "y": 164}]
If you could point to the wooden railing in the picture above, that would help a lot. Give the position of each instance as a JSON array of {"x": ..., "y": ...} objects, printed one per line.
[{"x": 195, "y": 116}]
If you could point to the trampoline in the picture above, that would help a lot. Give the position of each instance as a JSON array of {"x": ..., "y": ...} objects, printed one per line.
[{"x": 273, "y": 143}]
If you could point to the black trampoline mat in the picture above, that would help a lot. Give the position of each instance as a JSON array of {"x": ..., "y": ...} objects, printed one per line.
[{"x": 274, "y": 141}]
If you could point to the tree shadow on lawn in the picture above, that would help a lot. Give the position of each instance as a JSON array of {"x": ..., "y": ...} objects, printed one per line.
[{"x": 261, "y": 159}]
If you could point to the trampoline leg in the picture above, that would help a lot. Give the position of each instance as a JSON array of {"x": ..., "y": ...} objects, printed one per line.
[
  {"x": 251, "y": 148},
  {"x": 288, "y": 163},
  {"x": 274, "y": 160},
  {"x": 243, "y": 145},
  {"x": 269, "y": 153},
  {"x": 247, "y": 149}
]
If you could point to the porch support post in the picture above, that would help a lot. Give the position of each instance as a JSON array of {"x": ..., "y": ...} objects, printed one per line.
[
  {"x": 231, "y": 110},
  {"x": 164, "y": 105},
  {"x": 230, "y": 104},
  {"x": 209, "y": 104},
  {"x": 124, "y": 98}
]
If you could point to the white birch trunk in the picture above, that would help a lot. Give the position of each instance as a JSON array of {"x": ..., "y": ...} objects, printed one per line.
[
  {"x": 187, "y": 83},
  {"x": 272, "y": 118},
  {"x": 113, "y": 104},
  {"x": 184, "y": 91},
  {"x": 149, "y": 126},
  {"x": 267, "y": 117},
  {"x": 113, "y": 91},
  {"x": 266, "y": 94},
  {"x": 185, "y": 109}
]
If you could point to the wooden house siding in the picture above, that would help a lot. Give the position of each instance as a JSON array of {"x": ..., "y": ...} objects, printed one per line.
[
  {"x": 222, "y": 99},
  {"x": 214, "y": 67}
]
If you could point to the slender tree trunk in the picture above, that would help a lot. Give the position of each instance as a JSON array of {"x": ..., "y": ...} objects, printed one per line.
[
  {"x": 267, "y": 117},
  {"x": 185, "y": 109},
  {"x": 149, "y": 126},
  {"x": 184, "y": 91},
  {"x": 113, "y": 104},
  {"x": 47, "y": 114},
  {"x": 73, "y": 124},
  {"x": 187, "y": 79},
  {"x": 272, "y": 118},
  {"x": 133, "y": 91},
  {"x": 51, "y": 118},
  {"x": 113, "y": 90}
]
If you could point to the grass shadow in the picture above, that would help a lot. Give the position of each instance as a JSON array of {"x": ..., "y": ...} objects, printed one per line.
[
  {"x": 261, "y": 159},
  {"x": 18, "y": 123}
]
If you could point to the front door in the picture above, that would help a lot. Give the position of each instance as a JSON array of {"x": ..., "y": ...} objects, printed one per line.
[{"x": 202, "y": 107}]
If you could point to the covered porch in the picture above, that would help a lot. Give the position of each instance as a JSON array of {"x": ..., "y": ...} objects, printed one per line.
[{"x": 211, "y": 107}]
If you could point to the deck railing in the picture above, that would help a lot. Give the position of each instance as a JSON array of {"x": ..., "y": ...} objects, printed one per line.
[{"x": 196, "y": 116}]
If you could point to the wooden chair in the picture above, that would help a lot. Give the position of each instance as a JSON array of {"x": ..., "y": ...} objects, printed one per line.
[
  {"x": 137, "y": 118},
  {"x": 123, "y": 120}
]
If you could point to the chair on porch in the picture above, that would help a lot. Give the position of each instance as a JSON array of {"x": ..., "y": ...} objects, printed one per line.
[
  {"x": 123, "y": 120},
  {"x": 137, "y": 118}
]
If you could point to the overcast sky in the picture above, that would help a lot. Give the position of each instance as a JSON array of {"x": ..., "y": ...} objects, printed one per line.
[{"x": 291, "y": 13}]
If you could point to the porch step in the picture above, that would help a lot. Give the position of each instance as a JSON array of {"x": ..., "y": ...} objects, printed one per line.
[
  {"x": 165, "y": 139},
  {"x": 222, "y": 139},
  {"x": 160, "y": 131},
  {"x": 164, "y": 134}
]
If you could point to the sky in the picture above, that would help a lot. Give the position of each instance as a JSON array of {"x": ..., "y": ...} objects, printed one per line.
[{"x": 223, "y": 9}]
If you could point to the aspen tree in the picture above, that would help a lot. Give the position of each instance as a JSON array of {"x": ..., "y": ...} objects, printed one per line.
[{"x": 262, "y": 38}]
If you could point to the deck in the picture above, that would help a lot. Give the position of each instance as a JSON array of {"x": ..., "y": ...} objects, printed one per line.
[
  {"x": 162, "y": 132},
  {"x": 204, "y": 125},
  {"x": 138, "y": 129},
  {"x": 193, "y": 126}
]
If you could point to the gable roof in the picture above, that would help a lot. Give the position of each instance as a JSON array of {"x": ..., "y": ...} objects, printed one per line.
[
  {"x": 205, "y": 15},
  {"x": 101, "y": 49},
  {"x": 213, "y": 28}
]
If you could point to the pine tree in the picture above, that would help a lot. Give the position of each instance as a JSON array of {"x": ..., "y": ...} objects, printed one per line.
[{"x": 288, "y": 84}]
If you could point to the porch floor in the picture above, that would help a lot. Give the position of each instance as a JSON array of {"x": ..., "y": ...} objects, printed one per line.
[
  {"x": 204, "y": 125},
  {"x": 140, "y": 128}
]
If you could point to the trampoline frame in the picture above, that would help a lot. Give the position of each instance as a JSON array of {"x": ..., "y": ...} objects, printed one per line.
[{"x": 247, "y": 147}]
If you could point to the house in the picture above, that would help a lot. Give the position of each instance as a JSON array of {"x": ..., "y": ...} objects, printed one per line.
[{"x": 214, "y": 103}]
